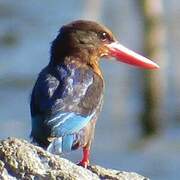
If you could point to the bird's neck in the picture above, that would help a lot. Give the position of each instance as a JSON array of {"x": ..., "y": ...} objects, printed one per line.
[
  {"x": 96, "y": 68},
  {"x": 80, "y": 59}
]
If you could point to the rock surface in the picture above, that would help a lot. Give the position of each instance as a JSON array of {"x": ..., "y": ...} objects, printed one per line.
[{"x": 22, "y": 160}]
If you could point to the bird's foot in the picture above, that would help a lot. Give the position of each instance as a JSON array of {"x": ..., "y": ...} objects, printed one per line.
[{"x": 84, "y": 163}]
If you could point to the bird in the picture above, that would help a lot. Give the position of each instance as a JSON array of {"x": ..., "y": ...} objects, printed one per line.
[{"x": 67, "y": 97}]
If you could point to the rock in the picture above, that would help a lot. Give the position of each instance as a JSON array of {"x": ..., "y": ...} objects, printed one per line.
[{"x": 22, "y": 160}]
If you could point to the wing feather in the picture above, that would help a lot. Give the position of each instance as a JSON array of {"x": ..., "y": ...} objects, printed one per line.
[
  {"x": 64, "y": 99},
  {"x": 68, "y": 123}
]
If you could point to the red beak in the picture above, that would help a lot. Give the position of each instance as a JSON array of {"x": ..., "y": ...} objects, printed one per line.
[{"x": 128, "y": 56}]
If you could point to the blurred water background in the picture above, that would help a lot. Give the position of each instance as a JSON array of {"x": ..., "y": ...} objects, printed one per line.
[{"x": 26, "y": 31}]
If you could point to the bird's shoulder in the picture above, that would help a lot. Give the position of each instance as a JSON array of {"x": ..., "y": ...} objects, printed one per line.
[{"x": 73, "y": 87}]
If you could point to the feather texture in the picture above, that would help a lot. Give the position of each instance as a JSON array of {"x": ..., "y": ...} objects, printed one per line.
[
  {"x": 64, "y": 100},
  {"x": 68, "y": 123}
]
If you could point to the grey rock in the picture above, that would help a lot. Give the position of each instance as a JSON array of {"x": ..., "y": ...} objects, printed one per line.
[{"x": 22, "y": 160}]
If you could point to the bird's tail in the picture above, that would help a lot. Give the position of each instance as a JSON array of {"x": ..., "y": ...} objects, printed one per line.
[{"x": 61, "y": 144}]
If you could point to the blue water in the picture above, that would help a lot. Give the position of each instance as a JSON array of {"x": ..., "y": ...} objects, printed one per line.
[{"x": 32, "y": 25}]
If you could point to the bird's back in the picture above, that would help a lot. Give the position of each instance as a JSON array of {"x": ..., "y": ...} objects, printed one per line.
[{"x": 64, "y": 101}]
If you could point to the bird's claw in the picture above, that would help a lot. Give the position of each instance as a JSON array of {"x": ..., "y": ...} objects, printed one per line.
[{"x": 84, "y": 164}]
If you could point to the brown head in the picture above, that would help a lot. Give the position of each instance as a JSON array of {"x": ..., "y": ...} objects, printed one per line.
[{"x": 88, "y": 41}]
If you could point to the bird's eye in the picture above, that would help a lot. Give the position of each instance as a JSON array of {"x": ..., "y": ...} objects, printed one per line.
[{"x": 103, "y": 36}]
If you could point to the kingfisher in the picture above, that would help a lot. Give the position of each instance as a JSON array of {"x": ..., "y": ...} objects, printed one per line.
[{"x": 67, "y": 97}]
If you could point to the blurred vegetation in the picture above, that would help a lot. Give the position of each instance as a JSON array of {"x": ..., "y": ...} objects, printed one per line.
[
  {"x": 151, "y": 11},
  {"x": 16, "y": 82},
  {"x": 8, "y": 39}
]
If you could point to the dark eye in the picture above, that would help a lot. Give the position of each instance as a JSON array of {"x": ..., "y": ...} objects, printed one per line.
[{"x": 103, "y": 36}]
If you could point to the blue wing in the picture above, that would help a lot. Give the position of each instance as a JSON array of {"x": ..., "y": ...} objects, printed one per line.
[
  {"x": 65, "y": 125},
  {"x": 63, "y": 101},
  {"x": 68, "y": 123}
]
